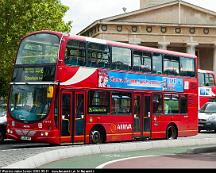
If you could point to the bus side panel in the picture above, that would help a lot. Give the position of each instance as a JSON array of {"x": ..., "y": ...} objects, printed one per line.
[
  {"x": 192, "y": 125},
  {"x": 181, "y": 122},
  {"x": 159, "y": 125},
  {"x": 116, "y": 129},
  {"x": 191, "y": 128}
]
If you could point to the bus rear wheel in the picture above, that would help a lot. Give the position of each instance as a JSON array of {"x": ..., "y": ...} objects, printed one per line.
[{"x": 171, "y": 132}]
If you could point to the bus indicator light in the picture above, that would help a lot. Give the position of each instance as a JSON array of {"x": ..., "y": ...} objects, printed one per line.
[
  {"x": 40, "y": 125},
  {"x": 91, "y": 120},
  {"x": 50, "y": 92}
]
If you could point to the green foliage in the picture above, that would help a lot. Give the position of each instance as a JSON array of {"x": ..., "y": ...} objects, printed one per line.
[{"x": 18, "y": 17}]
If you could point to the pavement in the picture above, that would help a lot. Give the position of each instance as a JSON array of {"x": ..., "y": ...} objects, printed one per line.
[{"x": 37, "y": 160}]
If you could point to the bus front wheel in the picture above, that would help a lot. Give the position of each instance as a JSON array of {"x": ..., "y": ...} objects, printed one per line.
[
  {"x": 171, "y": 132},
  {"x": 2, "y": 135},
  {"x": 97, "y": 135}
]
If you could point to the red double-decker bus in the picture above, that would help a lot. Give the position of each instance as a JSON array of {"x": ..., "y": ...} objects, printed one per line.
[
  {"x": 74, "y": 89},
  {"x": 207, "y": 86}
]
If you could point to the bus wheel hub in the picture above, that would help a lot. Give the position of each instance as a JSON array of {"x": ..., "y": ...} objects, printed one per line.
[{"x": 95, "y": 136}]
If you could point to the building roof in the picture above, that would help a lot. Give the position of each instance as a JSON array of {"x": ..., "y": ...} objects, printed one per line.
[{"x": 167, "y": 12}]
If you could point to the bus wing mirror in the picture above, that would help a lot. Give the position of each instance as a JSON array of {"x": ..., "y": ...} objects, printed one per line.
[{"x": 50, "y": 92}]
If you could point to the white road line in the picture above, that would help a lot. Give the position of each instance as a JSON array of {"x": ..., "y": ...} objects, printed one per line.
[
  {"x": 117, "y": 160},
  {"x": 128, "y": 158}
]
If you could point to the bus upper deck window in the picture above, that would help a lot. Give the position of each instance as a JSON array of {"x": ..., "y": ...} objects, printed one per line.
[
  {"x": 187, "y": 67},
  {"x": 75, "y": 53},
  {"x": 41, "y": 48},
  {"x": 157, "y": 63},
  {"x": 171, "y": 65}
]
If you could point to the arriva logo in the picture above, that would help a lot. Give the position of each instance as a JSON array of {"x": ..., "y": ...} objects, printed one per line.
[
  {"x": 124, "y": 127},
  {"x": 120, "y": 127}
]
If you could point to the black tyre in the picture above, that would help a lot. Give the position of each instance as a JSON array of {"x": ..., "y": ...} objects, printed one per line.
[
  {"x": 2, "y": 135},
  {"x": 172, "y": 132},
  {"x": 96, "y": 137}
]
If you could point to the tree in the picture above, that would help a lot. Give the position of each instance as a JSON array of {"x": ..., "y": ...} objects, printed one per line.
[{"x": 18, "y": 17}]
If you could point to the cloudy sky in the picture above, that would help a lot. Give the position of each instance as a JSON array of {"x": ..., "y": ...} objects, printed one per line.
[{"x": 85, "y": 12}]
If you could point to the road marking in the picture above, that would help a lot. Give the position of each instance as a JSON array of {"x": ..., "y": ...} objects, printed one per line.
[
  {"x": 117, "y": 160},
  {"x": 128, "y": 158}
]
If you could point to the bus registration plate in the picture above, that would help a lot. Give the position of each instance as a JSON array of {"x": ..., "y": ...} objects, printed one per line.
[{"x": 25, "y": 138}]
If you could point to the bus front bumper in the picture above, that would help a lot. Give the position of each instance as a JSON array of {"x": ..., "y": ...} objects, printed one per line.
[{"x": 51, "y": 137}]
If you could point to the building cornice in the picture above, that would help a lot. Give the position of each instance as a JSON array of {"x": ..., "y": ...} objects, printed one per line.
[
  {"x": 110, "y": 20},
  {"x": 150, "y": 24}
]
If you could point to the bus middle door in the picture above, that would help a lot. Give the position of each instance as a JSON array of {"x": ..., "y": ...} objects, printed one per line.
[
  {"x": 142, "y": 118},
  {"x": 146, "y": 115}
]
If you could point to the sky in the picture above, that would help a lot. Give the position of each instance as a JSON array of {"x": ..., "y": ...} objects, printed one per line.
[{"x": 85, "y": 12}]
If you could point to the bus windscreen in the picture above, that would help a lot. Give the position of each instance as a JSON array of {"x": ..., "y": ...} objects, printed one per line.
[{"x": 29, "y": 103}]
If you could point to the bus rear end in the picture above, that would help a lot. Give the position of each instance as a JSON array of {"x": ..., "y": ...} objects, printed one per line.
[{"x": 207, "y": 86}]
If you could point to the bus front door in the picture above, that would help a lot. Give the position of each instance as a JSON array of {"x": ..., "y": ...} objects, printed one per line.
[
  {"x": 72, "y": 117},
  {"x": 66, "y": 117},
  {"x": 79, "y": 118},
  {"x": 142, "y": 117}
]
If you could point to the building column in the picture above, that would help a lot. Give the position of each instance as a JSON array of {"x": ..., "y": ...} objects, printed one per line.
[
  {"x": 163, "y": 45},
  {"x": 191, "y": 48},
  {"x": 214, "y": 58}
]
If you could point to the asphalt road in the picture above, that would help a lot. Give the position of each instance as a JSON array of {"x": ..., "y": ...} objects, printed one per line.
[{"x": 12, "y": 152}]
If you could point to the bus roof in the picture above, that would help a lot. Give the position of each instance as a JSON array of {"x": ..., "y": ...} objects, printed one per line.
[{"x": 114, "y": 43}]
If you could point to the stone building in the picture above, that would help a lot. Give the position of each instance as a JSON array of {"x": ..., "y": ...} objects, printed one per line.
[{"x": 167, "y": 24}]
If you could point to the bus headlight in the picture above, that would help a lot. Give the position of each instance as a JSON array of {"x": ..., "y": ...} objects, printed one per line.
[
  {"x": 9, "y": 131},
  {"x": 46, "y": 133}
]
